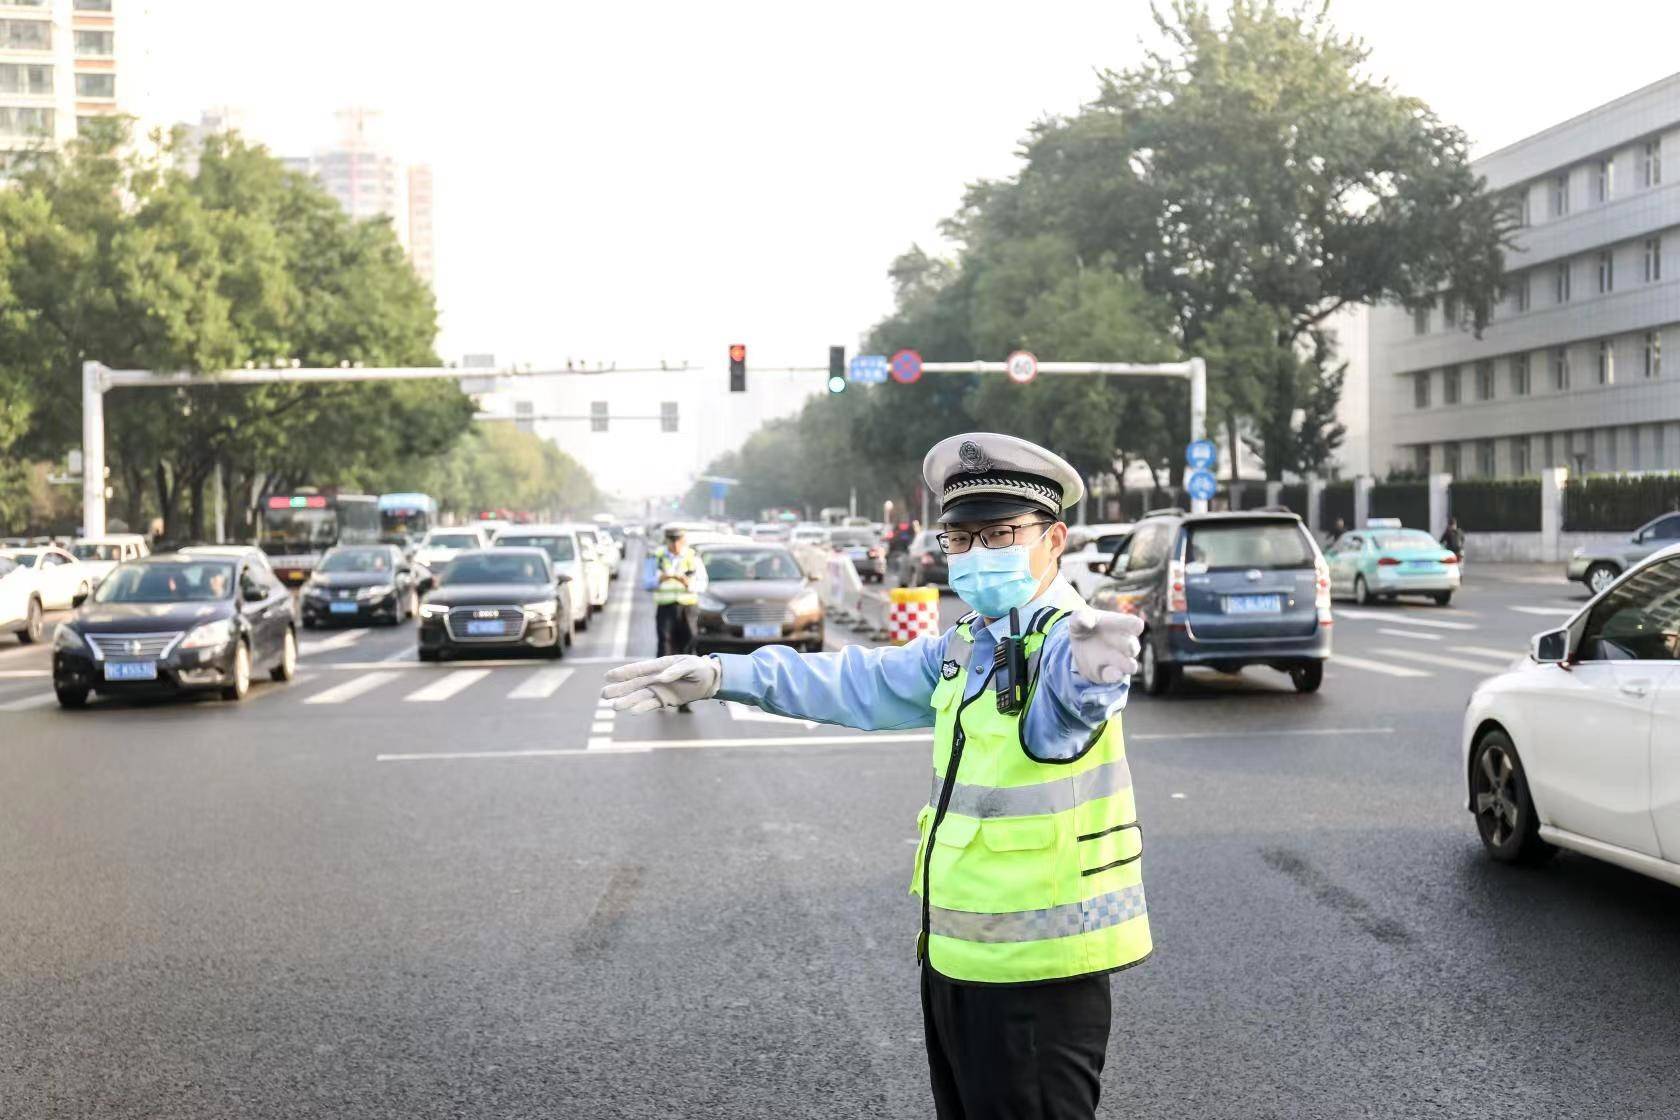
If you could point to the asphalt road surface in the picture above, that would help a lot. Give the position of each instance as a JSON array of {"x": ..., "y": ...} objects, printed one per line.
[{"x": 464, "y": 890}]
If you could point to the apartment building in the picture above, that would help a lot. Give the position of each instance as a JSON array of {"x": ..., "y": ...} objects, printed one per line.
[
  {"x": 58, "y": 67},
  {"x": 1571, "y": 372}
]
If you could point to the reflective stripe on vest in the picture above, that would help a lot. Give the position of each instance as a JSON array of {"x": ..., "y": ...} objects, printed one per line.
[
  {"x": 1067, "y": 920},
  {"x": 669, "y": 565},
  {"x": 1054, "y": 796}
]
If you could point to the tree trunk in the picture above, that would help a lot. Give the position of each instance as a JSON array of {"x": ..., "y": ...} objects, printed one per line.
[
  {"x": 168, "y": 494},
  {"x": 1235, "y": 443},
  {"x": 195, "y": 506}
]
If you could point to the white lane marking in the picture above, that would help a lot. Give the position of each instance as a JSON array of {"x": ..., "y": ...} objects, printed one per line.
[
  {"x": 350, "y": 689},
  {"x": 603, "y": 747},
  {"x": 621, "y": 660},
  {"x": 445, "y": 687},
  {"x": 1418, "y": 635},
  {"x": 746, "y": 713},
  {"x": 337, "y": 641},
  {"x": 1340, "y": 659},
  {"x": 38, "y": 701},
  {"x": 20, "y": 648},
  {"x": 535, "y": 752},
  {"x": 406, "y": 653},
  {"x": 621, "y": 628},
  {"x": 540, "y": 685},
  {"x": 1435, "y": 659},
  {"x": 598, "y": 743},
  {"x": 1295, "y": 732},
  {"x": 20, "y": 674},
  {"x": 1403, "y": 618},
  {"x": 1178, "y": 797},
  {"x": 600, "y": 729},
  {"x": 427, "y": 666},
  {"x": 1550, "y": 612},
  {"x": 1503, "y": 656}
]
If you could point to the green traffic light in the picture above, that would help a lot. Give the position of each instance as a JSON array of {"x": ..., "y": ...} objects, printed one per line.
[{"x": 837, "y": 384}]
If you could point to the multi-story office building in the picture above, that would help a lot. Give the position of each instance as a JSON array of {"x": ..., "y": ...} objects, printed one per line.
[
  {"x": 359, "y": 170},
  {"x": 420, "y": 250},
  {"x": 1571, "y": 371},
  {"x": 58, "y": 66}
]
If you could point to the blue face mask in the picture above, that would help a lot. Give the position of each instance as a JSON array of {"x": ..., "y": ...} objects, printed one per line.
[{"x": 994, "y": 581}]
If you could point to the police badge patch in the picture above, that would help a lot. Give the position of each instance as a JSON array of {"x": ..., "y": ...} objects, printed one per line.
[
  {"x": 971, "y": 457},
  {"x": 949, "y": 670}
]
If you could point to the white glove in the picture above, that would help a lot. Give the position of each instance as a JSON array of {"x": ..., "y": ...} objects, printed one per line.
[
  {"x": 664, "y": 682},
  {"x": 1105, "y": 645}
]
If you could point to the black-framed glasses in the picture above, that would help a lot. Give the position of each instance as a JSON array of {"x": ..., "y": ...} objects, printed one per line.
[{"x": 958, "y": 541}]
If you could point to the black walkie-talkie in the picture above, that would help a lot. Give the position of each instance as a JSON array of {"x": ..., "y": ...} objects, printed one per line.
[{"x": 1010, "y": 663}]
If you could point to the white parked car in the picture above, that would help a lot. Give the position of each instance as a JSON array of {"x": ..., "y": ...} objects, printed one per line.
[
  {"x": 1578, "y": 745},
  {"x": 606, "y": 548},
  {"x": 20, "y": 601},
  {"x": 565, "y": 552},
  {"x": 100, "y": 554},
  {"x": 60, "y": 578},
  {"x": 1089, "y": 550},
  {"x": 597, "y": 573},
  {"x": 439, "y": 546}
]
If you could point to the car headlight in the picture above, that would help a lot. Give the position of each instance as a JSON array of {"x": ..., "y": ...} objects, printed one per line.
[
  {"x": 377, "y": 591},
  {"x": 805, "y": 603},
  {"x": 433, "y": 610},
  {"x": 544, "y": 610},
  {"x": 1579, "y": 552},
  {"x": 69, "y": 639},
  {"x": 315, "y": 591},
  {"x": 710, "y": 604},
  {"x": 210, "y": 634}
]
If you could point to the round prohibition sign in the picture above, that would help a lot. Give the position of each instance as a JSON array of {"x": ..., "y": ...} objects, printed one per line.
[{"x": 1021, "y": 367}]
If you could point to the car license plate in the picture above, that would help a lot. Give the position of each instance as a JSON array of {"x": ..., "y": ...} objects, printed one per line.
[
  {"x": 483, "y": 627},
  {"x": 342, "y": 608},
  {"x": 131, "y": 670},
  {"x": 1253, "y": 604},
  {"x": 761, "y": 630}
]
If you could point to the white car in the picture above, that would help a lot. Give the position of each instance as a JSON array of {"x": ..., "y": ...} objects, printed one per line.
[
  {"x": 20, "y": 601},
  {"x": 60, "y": 578},
  {"x": 815, "y": 536},
  {"x": 1578, "y": 745},
  {"x": 439, "y": 546},
  {"x": 606, "y": 548},
  {"x": 100, "y": 554},
  {"x": 1090, "y": 549},
  {"x": 597, "y": 575},
  {"x": 565, "y": 552}
]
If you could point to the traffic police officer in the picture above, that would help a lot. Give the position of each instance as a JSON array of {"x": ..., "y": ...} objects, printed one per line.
[{"x": 1028, "y": 854}]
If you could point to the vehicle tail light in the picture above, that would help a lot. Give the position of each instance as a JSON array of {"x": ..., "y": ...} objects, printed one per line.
[
  {"x": 1321, "y": 590},
  {"x": 874, "y": 554},
  {"x": 1387, "y": 562},
  {"x": 1177, "y": 603},
  {"x": 1449, "y": 558},
  {"x": 927, "y": 560}
]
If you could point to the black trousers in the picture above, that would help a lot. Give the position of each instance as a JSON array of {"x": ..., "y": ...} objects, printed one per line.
[
  {"x": 677, "y": 625},
  {"x": 1031, "y": 1052}
]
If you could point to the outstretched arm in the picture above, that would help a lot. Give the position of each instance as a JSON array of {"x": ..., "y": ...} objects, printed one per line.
[{"x": 867, "y": 688}]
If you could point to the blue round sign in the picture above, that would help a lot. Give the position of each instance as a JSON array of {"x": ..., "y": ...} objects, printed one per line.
[
  {"x": 1201, "y": 485},
  {"x": 1201, "y": 453}
]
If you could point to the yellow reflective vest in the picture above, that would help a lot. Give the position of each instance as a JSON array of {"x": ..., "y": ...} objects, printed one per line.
[
  {"x": 673, "y": 565},
  {"x": 1028, "y": 869}
]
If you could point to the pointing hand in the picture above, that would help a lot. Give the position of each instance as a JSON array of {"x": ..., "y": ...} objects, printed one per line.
[
  {"x": 1104, "y": 645},
  {"x": 663, "y": 682}
]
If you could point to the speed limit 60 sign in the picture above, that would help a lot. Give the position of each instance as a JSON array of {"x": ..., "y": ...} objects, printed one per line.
[{"x": 1021, "y": 367}]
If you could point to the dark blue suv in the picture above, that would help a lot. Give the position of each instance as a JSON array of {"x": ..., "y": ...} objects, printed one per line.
[{"x": 1223, "y": 590}]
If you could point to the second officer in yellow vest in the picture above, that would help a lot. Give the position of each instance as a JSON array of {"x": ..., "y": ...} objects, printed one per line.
[{"x": 1028, "y": 861}]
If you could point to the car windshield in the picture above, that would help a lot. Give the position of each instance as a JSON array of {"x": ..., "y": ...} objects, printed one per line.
[
  {"x": 357, "y": 560},
  {"x": 172, "y": 581},
  {"x": 452, "y": 540},
  {"x": 1406, "y": 540},
  {"x": 852, "y": 538},
  {"x": 723, "y": 564},
  {"x": 25, "y": 559},
  {"x": 490, "y": 567},
  {"x": 98, "y": 551},
  {"x": 558, "y": 548},
  {"x": 1108, "y": 542},
  {"x": 1253, "y": 544}
]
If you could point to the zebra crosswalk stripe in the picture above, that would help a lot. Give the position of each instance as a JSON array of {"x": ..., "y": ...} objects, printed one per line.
[
  {"x": 1403, "y": 618},
  {"x": 1435, "y": 659},
  {"x": 352, "y": 688},
  {"x": 448, "y": 686},
  {"x": 1342, "y": 660},
  {"x": 39, "y": 700},
  {"x": 1503, "y": 656},
  {"x": 540, "y": 685}
]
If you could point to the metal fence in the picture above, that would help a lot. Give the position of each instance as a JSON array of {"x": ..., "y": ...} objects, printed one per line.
[
  {"x": 1293, "y": 497},
  {"x": 1337, "y": 502},
  {"x": 1409, "y": 501},
  {"x": 1617, "y": 503},
  {"x": 1496, "y": 506}
]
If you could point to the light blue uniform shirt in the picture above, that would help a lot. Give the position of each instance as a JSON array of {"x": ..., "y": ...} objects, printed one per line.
[{"x": 891, "y": 687}]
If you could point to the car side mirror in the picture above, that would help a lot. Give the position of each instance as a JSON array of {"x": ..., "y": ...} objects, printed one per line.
[
  {"x": 562, "y": 578},
  {"x": 78, "y": 599},
  {"x": 255, "y": 594},
  {"x": 1550, "y": 647}
]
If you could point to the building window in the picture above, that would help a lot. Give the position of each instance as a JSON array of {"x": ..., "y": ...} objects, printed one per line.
[
  {"x": 1524, "y": 217},
  {"x": 1449, "y": 385},
  {"x": 1653, "y": 353},
  {"x": 1420, "y": 458},
  {"x": 667, "y": 416},
  {"x": 597, "y": 416},
  {"x": 1420, "y": 389},
  {"x": 1449, "y": 311},
  {"x": 1519, "y": 290},
  {"x": 25, "y": 35},
  {"x": 1520, "y": 460},
  {"x": 15, "y": 78},
  {"x": 1653, "y": 259},
  {"x": 1650, "y": 162},
  {"x": 1560, "y": 283},
  {"x": 1486, "y": 463},
  {"x": 96, "y": 85},
  {"x": 1604, "y": 180},
  {"x": 1451, "y": 461},
  {"x": 92, "y": 5},
  {"x": 1560, "y": 368},
  {"x": 95, "y": 43},
  {"x": 1519, "y": 375},
  {"x": 1606, "y": 272},
  {"x": 25, "y": 122},
  {"x": 1560, "y": 194},
  {"x": 1606, "y": 362},
  {"x": 1484, "y": 381},
  {"x": 1420, "y": 321}
]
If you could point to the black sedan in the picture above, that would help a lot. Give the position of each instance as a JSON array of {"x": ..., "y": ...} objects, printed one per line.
[
  {"x": 756, "y": 595},
  {"x": 176, "y": 623},
  {"x": 497, "y": 599},
  {"x": 923, "y": 565},
  {"x": 362, "y": 584}
]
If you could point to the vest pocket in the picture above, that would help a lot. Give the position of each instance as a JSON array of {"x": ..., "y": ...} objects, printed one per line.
[
  {"x": 994, "y": 865},
  {"x": 1110, "y": 849}
]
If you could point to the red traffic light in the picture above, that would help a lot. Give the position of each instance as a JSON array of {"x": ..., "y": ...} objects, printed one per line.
[{"x": 738, "y": 353}]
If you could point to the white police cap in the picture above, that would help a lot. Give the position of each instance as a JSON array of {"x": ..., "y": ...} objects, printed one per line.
[{"x": 985, "y": 476}]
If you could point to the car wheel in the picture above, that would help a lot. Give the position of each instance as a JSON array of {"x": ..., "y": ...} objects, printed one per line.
[
  {"x": 1361, "y": 591},
  {"x": 427, "y": 654},
  {"x": 71, "y": 697},
  {"x": 571, "y": 630},
  {"x": 1442, "y": 598},
  {"x": 286, "y": 668},
  {"x": 1158, "y": 677},
  {"x": 583, "y": 623},
  {"x": 31, "y": 632},
  {"x": 1307, "y": 678},
  {"x": 1505, "y": 816},
  {"x": 308, "y": 623},
  {"x": 241, "y": 674},
  {"x": 1600, "y": 576},
  {"x": 558, "y": 649}
]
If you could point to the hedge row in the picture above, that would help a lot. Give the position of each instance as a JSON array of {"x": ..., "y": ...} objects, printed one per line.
[
  {"x": 1496, "y": 505},
  {"x": 1408, "y": 501}
]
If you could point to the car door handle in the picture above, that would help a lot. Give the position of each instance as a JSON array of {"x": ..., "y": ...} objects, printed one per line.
[{"x": 1635, "y": 688}]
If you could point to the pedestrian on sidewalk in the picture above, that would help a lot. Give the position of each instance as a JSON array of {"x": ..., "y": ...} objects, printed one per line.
[
  {"x": 1028, "y": 856},
  {"x": 680, "y": 577},
  {"x": 1452, "y": 539}
]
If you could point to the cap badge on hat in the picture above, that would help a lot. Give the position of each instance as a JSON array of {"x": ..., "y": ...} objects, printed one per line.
[{"x": 972, "y": 458}]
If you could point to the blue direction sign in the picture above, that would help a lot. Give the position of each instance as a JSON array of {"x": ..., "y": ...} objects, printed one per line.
[
  {"x": 1200, "y": 454},
  {"x": 1201, "y": 484},
  {"x": 868, "y": 369},
  {"x": 720, "y": 490}
]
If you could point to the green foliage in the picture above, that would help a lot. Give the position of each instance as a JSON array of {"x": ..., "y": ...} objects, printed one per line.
[
  {"x": 1409, "y": 501},
  {"x": 1615, "y": 503},
  {"x": 495, "y": 466},
  {"x": 1486, "y": 505}
]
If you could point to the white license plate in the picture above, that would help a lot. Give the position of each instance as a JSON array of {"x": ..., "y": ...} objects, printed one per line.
[
  {"x": 1253, "y": 604},
  {"x": 131, "y": 670},
  {"x": 483, "y": 627},
  {"x": 761, "y": 630},
  {"x": 342, "y": 608}
]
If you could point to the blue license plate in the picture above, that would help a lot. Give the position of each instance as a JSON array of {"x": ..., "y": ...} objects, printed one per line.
[
  {"x": 1253, "y": 604},
  {"x": 761, "y": 630},
  {"x": 131, "y": 670},
  {"x": 482, "y": 627},
  {"x": 342, "y": 608}
]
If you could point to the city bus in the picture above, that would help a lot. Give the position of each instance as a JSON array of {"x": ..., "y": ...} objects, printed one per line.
[
  {"x": 405, "y": 518},
  {"x": 295, "y": 529}
]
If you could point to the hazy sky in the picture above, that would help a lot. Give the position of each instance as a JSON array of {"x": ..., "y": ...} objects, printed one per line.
[{"x": 650, "y": 180}]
